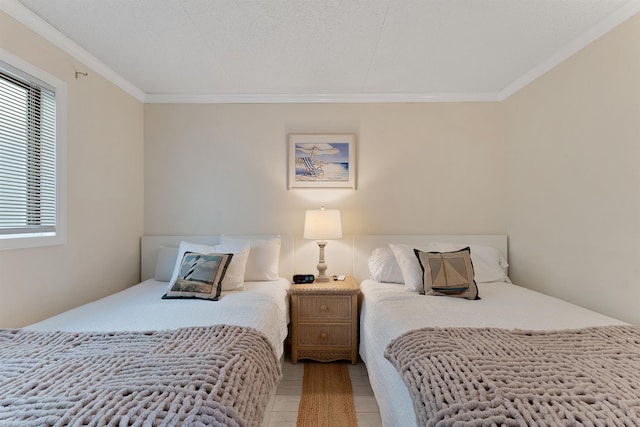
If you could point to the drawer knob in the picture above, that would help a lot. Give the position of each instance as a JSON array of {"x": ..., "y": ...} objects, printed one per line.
[
  {"x": 323, "y": 307},
  {"x": 323, "y": 335}
]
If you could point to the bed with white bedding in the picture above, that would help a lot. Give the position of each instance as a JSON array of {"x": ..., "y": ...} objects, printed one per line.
[
  {"x": 261, "y": 305},
  {"x": 134, "y": 357},
  {"x": 390, "y": 310}
]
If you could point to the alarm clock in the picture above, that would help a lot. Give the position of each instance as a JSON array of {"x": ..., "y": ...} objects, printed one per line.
[{"x": 303, "y": 278}]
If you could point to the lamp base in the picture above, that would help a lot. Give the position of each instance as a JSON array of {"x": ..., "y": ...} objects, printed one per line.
[{"x": 322, "y": 266}]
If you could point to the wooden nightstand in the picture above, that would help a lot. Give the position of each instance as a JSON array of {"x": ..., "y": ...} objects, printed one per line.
[{"x": 324, "y": 321}]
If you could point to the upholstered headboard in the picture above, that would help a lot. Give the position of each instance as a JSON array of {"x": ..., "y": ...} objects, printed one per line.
[
  {"x": 363, "y": 245},
  {"x": 151, "y": 245}
]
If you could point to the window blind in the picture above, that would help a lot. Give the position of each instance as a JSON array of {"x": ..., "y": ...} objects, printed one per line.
[{"x": 27, "y": 155}]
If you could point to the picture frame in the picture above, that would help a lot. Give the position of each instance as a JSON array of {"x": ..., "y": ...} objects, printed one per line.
[{"x": 322, "y": 161}]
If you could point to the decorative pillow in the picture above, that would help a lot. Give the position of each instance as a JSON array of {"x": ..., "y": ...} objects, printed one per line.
[
  {"x": 234, "y": 277},
  {"x": 165, "y": 263},
  {"x": 488, "y": 264},
  {"x": 383, "y": 266},
  {"x": 448, "y": 273},
  {"x": 183, "y": 248},
  {"x": 199, "y": 276},
  {"x": 264, "y": 257},
  {"x": 409, "y": 266}
]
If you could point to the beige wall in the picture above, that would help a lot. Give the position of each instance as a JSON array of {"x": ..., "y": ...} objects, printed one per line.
[
  {"x": 104, "y": 194},
  {"x": 573, "y": 177},
  {"x": 422, "y": 168},
  {"x": 554, "y": 166}
]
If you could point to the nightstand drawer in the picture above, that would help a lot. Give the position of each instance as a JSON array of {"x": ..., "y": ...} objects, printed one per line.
[
  {"x": 338, "y": 335},
  {"x": 324, "y": 307}
]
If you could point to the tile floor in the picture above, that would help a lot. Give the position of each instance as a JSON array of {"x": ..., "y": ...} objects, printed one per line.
[{"x": 282, "y": 410}]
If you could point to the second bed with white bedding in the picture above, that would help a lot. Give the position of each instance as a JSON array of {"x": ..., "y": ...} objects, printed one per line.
[{"x": 389, "y": 310}]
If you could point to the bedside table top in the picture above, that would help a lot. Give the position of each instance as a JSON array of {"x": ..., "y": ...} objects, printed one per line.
[{"x": 347, "y": 286}]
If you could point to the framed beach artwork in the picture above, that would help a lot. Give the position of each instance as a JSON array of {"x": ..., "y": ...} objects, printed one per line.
[{"x": 322, "y": 161}]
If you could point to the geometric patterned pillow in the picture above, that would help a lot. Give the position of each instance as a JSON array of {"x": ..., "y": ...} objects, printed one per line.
[
  {"x": 448, "y": 273},
  {"x": 200, "y": 276}
]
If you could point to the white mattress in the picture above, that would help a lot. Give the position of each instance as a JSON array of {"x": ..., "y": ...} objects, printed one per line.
[
  {"x": 262, "y": 305},
  {"x": 388, "y": 310}
]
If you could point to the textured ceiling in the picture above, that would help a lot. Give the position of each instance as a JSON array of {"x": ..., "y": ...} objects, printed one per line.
[{"x": 312, "y": 47}]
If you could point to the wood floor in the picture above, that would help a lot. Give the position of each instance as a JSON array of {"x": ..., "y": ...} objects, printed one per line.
[{"x": 282, "y": 410}]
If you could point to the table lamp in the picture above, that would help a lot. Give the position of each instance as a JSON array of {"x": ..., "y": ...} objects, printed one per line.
[{"x": 322, "y": 225}]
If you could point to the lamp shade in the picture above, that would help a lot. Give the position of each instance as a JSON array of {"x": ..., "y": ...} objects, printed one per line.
[{"x": 322, "y": 224}]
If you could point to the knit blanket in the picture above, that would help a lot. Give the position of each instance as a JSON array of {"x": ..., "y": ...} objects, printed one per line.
[
  {"x": 481, "y": 377},
  {"x": 201, "y": 376}
]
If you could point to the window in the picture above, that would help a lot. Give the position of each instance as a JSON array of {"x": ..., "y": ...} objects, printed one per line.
[{"x": 30, "y": 176}]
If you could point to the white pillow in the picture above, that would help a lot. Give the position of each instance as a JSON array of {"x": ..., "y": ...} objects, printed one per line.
[
  {"x": 264, "y": 257},
  {"x": 234, "y": 277},
  {"x": 488, "y": 264},
  {"x": 165, "y": 262},
  {"x": 383, "y": 266},
  {"x": 409, "y": 266}
]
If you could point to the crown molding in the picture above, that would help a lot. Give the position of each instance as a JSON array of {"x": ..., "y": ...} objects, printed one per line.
[
  {"x": 573, "y": 47},
  {"x": 38, "y": 25},
  {"x": 320, "y": 98}
]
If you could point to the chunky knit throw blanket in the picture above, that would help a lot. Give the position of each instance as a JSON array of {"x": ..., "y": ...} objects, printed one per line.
[
  {"x": 482, "y": 377},
  {"x": 215, "y": 376}
]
